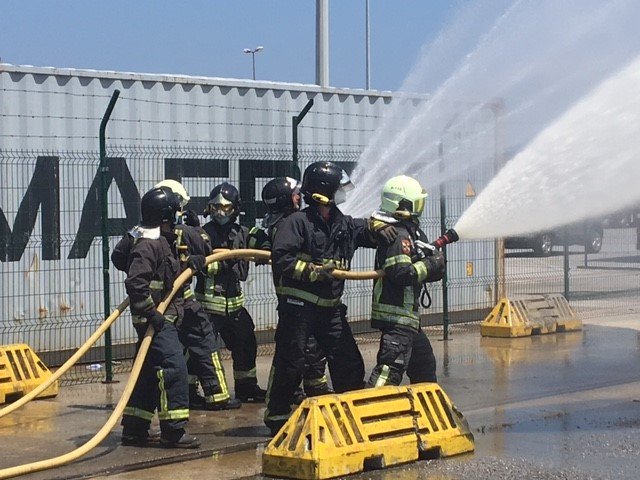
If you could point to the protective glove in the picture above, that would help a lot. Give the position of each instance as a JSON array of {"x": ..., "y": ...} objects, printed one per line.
[
  {"x": 323, "y": 272},
  {"x": 196, "y": 262},
  {"x": 435, "y": 266},
  {"x": 262, "y": 261},
  {"x": 189, "y": 217},
  {"x": 156, "y": 320},
  {"x": 382, "y": 231}
]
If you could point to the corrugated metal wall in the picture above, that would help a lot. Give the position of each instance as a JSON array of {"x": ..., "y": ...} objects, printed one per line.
[{"x": 198, "y": 130}]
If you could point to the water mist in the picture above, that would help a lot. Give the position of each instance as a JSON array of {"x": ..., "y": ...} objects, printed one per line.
[{"x": 551, "y": 80}]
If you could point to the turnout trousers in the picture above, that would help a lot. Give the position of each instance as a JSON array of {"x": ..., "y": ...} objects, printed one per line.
[
  {"x": 201, "y": 351},
  {"x": 162, "y": 386},
  {"x": 314, "y": 379},
  {"x": 295, "y": 325},
  {"x": 238, "y": 334},
  {"x": 403, "y": 349}
]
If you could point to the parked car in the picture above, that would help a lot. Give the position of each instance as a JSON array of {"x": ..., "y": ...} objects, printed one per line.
[{"x": 589, "y": 234}]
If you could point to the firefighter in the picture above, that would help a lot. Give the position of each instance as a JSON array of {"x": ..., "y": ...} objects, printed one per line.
[
  {"x": 282, "y": 197},
  {"x": 309, "y": 245},
  {"x": 195, "y": 331},
  {"x": 408, "y": 265},
  {"x": 152, "y": 267},
  {"x": 220, "y": 292}
]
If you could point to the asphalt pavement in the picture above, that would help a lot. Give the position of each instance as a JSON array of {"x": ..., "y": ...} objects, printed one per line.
[{"x": 563, "y": 405}]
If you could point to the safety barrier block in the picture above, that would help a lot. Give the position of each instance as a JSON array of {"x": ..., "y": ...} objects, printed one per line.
[
  {"x": 336, "y": 435},
  {"x": 21, "y": 371},
  {"x": 530, "y": 315}
]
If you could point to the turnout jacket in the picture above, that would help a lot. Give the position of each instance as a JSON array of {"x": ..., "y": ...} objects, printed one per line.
[
  {"x": 219, "y": 290},
  {"x": 191, "y": 241},
  {"x": 303, "y": 240},
  {"x": 152, "y": 266},
  {"x": 396, "y": 295}
]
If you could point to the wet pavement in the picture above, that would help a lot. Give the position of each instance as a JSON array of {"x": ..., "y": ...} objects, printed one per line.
[{"x": 555, "y": 406}]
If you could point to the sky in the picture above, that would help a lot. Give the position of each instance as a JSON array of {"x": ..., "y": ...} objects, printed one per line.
[{"x": 207, "y": 37}]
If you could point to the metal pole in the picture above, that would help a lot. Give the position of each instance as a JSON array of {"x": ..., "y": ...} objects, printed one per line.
[
  {"x": 443, "y": 229},
  {"x": 367, "y": 48},
  {"x": 295, "y": 121},
  {"x": 253, "y": 60},
  {"x": 565, "y": 252},
  {"x": 500, "y": 290},
  {"x": 104, "y": 187},
  {"x": 322, "y": 43}
]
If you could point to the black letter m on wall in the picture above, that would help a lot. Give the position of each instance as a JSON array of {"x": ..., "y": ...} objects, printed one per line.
[{"x": 43, "y": 193}]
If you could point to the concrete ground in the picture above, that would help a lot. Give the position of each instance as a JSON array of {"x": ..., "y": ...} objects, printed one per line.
[{"x": 563, "y": 406}]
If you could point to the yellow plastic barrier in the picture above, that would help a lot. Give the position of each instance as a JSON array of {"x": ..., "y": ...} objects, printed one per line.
[
  {"x": 21, "y": 371},
  {"x": 530, "y": 315},
  {"x": 337, "y": 435}
]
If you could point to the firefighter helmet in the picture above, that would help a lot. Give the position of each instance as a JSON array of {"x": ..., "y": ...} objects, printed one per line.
[
  {"x": 224, "y": 203},
  {"x": 279, "y": 195},
  {"x": 159, "y": 206},
  {"x": 177, "y": 188},
  {"x": 403, "y": 197},
  {"x": 325, "y": 183}
]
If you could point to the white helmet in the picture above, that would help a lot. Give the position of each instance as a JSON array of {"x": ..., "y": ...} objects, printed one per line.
[{"x": 177, "y": 188}]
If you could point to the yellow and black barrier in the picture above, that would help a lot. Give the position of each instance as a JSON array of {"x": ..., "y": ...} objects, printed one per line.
[
  {"x": 22, "y": 371},
  {"x": 336, "y": 435},
  {"x": 530, "y": 315}
]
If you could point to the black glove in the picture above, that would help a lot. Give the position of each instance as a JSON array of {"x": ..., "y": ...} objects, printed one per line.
[
  {"x": 262, "y": 261},
  {"x": 435, "y": 266},
  {"x": 323, "y": 272},
  {"x": 156, "y": 320},
  {"x": 382, "y": 231},
  {"x": 189, "y": 217},
  {"x": 196, "y": 262}
]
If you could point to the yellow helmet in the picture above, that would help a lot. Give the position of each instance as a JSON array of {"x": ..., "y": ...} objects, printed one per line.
[
  {"x": 403, "y": 197},
  {"x": 177, "y": 188}
]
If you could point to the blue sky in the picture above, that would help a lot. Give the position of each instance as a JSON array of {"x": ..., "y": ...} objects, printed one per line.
[{"x": 207, "y": 37}]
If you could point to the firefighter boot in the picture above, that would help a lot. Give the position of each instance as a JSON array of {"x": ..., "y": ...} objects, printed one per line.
[
  {"x": 179, "y": 439},
  {"x": 249, "y": 392},
  {"x": 229, "y": 404}
]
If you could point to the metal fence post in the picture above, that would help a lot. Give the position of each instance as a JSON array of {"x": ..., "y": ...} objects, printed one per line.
[
  {"x": 500, "y": 290},
  {"x": 443, "y": 229},
  {"x": 295, "y": 121},
  {"x": 565, "y": 253},
  {"x": 104, "y": 187}
]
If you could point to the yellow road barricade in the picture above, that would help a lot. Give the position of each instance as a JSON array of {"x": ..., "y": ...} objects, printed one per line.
[
  {"x": 21, "y": 371},
  {"x": 530, "y": 315},
  {"x": 337, "y": 435}
]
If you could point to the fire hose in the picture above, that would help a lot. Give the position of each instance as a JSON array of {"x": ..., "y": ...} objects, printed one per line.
[
  {"x": 137, "y": 365},
  {"x": 69, "y": 457}
]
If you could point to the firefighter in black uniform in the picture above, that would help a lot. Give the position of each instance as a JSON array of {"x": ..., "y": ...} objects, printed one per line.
[
  {"x": 152, "y": 267},
  {"x": 408, "y": 265},
  {"x": 220, "y": 292},
  {"x": 195, "y": 331},
  {"x": 282, "y": 197},
  {"x": 308, "y": 246}
]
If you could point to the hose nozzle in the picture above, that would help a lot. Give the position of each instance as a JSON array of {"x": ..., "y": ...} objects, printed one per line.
[{"x": 450, "y": 236}]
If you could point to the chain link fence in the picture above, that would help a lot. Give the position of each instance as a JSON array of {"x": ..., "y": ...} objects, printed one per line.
[{"x": 50, "y": 253}]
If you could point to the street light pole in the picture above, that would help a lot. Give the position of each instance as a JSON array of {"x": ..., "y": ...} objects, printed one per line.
[{"x": 253, "y": 57}]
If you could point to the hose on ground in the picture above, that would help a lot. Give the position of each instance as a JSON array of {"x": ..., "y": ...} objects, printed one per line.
[
  {"x": 137, "y": 365},
  {"x": 69, "y": 363},
  {"x": 128, "y": 389}
]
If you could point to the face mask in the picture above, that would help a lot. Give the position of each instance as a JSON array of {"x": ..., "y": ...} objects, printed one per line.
[
  {"x": 221, "y": 219},
  {"x": 340, "y": 196}
]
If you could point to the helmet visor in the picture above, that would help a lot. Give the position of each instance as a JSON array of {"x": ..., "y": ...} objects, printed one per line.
[{"x": 345, "y": 182}]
